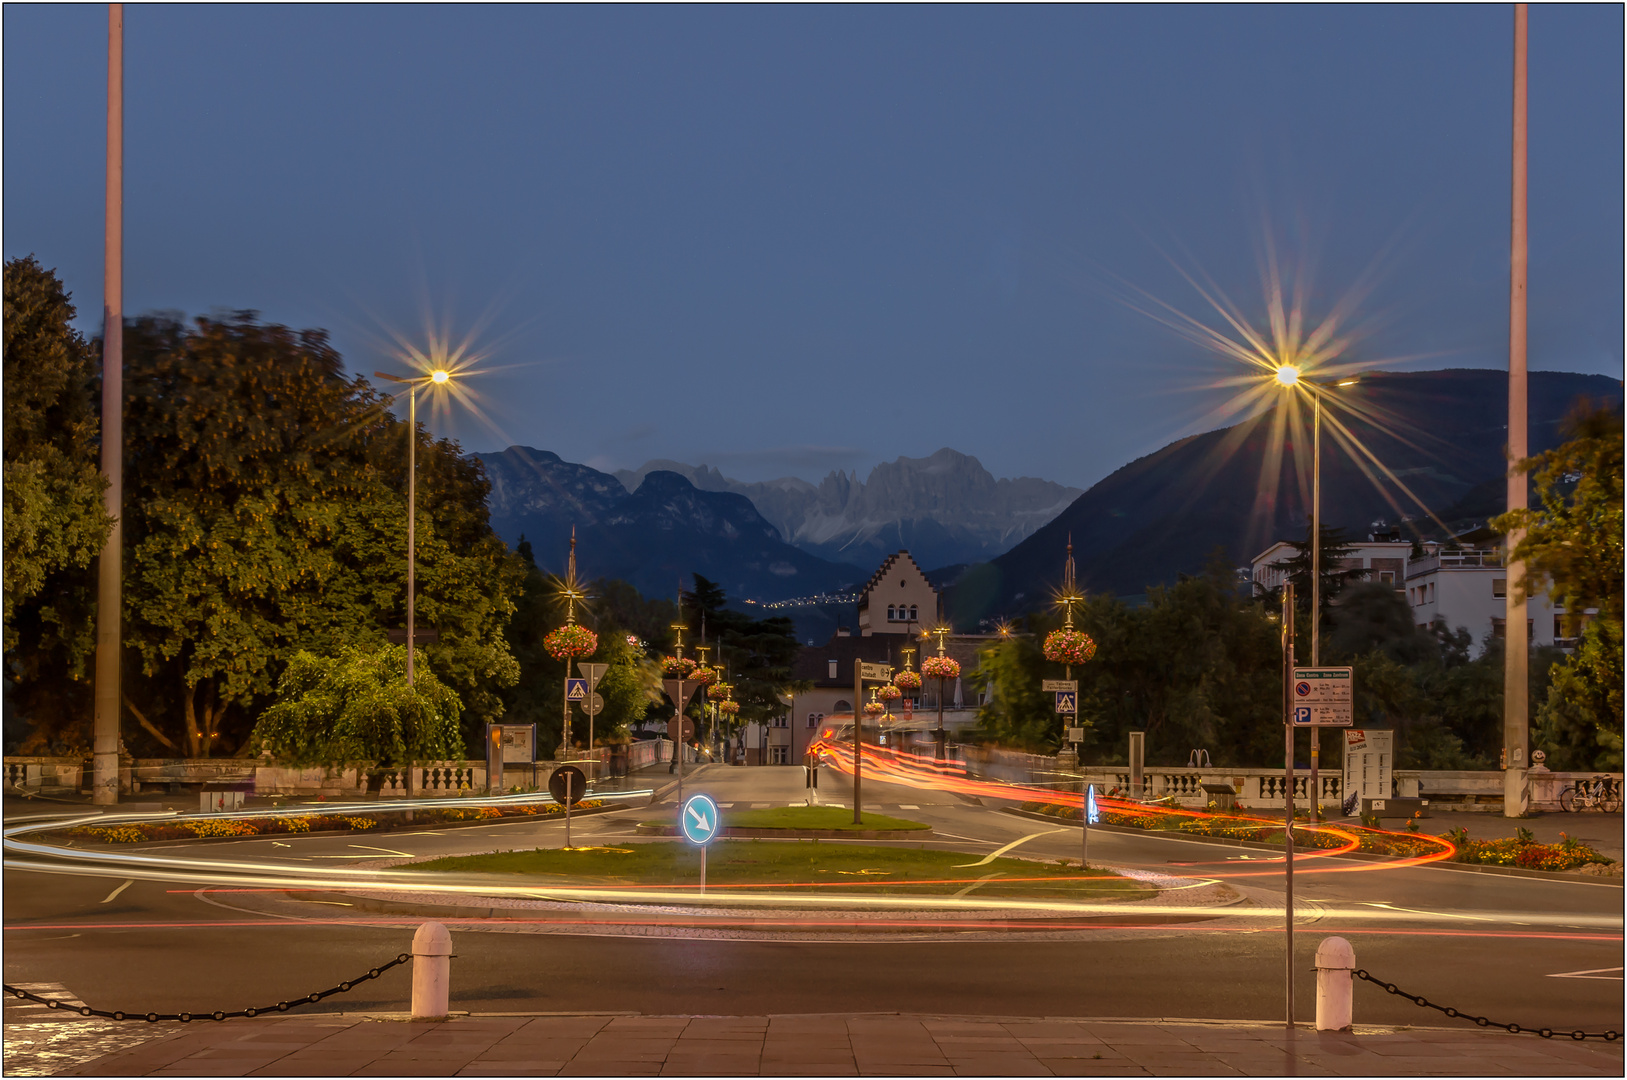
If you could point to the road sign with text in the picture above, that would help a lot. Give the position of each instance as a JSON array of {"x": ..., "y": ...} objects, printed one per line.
[
  {"x": 1070, "y": 686},
  {"x": 1323, "y": 697},
  {"x": 875, "y": 672}
]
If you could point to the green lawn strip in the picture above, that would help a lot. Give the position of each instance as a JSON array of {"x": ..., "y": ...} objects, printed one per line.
[
  {"x": 844, "y": 867},
  {"x": 805, "y": 817}
]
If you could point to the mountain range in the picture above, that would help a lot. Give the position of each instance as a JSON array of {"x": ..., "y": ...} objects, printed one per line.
[
  {"x": 1441, "y": 433},
  {"x": 944, "y": 509}
]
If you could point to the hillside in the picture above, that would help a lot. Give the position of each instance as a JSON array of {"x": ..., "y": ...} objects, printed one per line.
[{"x": 1163, "y": 514}]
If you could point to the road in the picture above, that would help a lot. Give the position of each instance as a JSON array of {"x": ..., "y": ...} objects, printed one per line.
[{"x": 1505, "y": 947}]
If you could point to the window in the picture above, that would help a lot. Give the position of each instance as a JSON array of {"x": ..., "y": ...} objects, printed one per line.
[
  {"x": 892, "y": 613},
  {"x": 782, "y": 721},
  {"x": 1499, "y": 587},
  {"x": 779, "y": 755},
  {"x": 844, "y": 706},
  {"x": 1388, "y": 578},
  {"x": 815, "y": 718},
  {"x": 833, "y": 673},
  {"x": 913, "y": 616}
]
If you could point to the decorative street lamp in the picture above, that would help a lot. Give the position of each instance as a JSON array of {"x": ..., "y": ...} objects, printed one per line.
[
  {"x": 908, "y": 682},
  {"x": 437, "y": 377},
  {"x": 940, "y": 667},
  {"x": 1068, "y": 646},
  {"x": 570, "y": 642}
]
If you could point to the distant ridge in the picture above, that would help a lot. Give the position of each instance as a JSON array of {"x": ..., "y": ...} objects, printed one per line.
[{"x": 1162, "y": 515}]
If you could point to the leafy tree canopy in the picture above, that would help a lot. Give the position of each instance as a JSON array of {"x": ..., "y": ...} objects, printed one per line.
[{"x": 357, "y": 709}]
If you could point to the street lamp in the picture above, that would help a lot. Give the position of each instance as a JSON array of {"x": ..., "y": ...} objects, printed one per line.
[{"x": 434, "y": 378}]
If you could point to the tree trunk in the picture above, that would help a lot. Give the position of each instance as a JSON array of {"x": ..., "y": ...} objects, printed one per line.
[{"x": 189, "y": 718}]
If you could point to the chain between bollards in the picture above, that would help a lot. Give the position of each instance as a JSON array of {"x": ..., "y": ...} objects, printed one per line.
[
  {"x": 1546, "y": 1033},
  {"x": 188, "y": 1017}
]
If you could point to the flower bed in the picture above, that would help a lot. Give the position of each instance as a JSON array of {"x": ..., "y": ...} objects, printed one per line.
[
  {"x": 1257, "y": 829},
  {"x": 1522, "y": 850},
  {"x": 203, "y": 828}
]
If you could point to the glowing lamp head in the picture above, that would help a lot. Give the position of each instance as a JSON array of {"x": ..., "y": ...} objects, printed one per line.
[
  {"x": 1287, "y": 375},
  {"x": 439, "y": 376}
]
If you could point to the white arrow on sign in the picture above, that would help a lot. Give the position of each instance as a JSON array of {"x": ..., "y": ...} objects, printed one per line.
[{"x": 875, "y": 672}]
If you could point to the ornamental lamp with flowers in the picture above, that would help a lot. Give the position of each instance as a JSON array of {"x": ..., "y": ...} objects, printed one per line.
[
  {"x": 571, "y": 642},
  {"x": 889, "y": 693},
  {"x": 704, "y": 675},
  {"x": 720, "y": 691},
  {"x": 908, "y": 681},
  {"x": 940, "y": 667},
  {"x": 677, "y": 667},
  {"x": 728, "y": 708}
]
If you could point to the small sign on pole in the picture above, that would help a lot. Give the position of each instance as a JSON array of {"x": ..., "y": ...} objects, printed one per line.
[
  {"x": 576, "y": 689},
  {"x": 1067, "y": 702},
  {"x": 875, "y": 672},
  {"x": 700, "y": 823},
  {"x": 1323, "y": 697},
  {"x": 1070, "y": 686}
]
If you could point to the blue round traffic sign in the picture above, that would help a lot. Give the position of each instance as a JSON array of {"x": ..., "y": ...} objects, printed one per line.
[{"x": 699, "y": 820}]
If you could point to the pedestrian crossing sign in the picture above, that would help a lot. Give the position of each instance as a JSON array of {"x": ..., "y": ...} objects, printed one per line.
[
  {"x": 576, "y": 689},
  {"x": 1067, "y": 702}
]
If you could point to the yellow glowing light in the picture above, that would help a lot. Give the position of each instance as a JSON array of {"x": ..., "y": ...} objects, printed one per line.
[
  {"x": 439, "y": 376},
  {"x": 1287, "y": 375}
]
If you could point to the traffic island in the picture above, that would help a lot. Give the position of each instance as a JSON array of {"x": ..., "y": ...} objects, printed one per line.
[{"x": 805, "y": 823}]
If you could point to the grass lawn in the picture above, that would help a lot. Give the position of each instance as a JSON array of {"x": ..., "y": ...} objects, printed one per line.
[
  {"x": 801, "y": 866},
  {"x": 806, "y": 817}
]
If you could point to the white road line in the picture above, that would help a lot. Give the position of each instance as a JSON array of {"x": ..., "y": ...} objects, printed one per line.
[
  {"x": 1591, "y": 973},
  {"x": 997, "y": 852},
  {"x": 908, "y": 806},
  {"x": 387, "y": 851},
  {"x": 114, "y": 894}
]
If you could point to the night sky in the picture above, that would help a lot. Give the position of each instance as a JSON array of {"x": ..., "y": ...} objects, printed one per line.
[{"x": 792, "y": 239}]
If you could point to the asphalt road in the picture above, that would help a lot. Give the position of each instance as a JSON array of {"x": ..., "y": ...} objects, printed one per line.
[{"x": 1505, "y": 947}]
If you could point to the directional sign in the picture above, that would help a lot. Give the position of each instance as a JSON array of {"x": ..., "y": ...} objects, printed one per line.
[
  {"x": 1092, "y": 815},
  {"x": 568, "y": 785},
  {"x": 593, "y": 673},
  {"x": 576, "y": 689},
  {"x": 875, "y": 672},
  {"x": 1067, "y": 701},
  {"x": 1060, "y": 686},
  {"x": 1322, "y": 697},
  {"x": 699, "y": 820}
]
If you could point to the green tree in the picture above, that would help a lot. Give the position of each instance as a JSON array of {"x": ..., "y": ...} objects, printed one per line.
[
  {"x": 55, "y": 523},
  {"x": 1015, "y": 712},
  {"x": 356, "y": 709},
  {"x": 757, "y": 654},
  {"x": 1573, "y": 542}
]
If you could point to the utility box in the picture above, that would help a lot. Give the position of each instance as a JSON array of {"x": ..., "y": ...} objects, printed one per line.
[
  {"x": 1395, "y": 808},
  {"x": 1224, "y": 796}
]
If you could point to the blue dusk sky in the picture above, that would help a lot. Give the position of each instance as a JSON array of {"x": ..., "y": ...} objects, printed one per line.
[{"x": 785, "y": 240}]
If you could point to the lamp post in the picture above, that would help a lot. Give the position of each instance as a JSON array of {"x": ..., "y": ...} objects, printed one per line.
[
  {"x": 434, "y": 378},
  {"x": 1289, "y": 376}
]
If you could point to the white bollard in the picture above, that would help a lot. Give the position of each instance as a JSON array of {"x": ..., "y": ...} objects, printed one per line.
[
  {"x": 1335, "y": 960},
  {"x": 431, "y": 972}
]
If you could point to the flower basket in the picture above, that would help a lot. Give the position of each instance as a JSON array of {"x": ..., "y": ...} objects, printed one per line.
[
  {"x": 728, "y": 708},
  {"x": 874, "y": 708},
  {"x": 889, "y": 693},
  {"x": 719, "y": 691},
  {"x": 1069, "y": 647},
  {"x": 677, "y": 667},
  {"x": 571, "y": 641},
  {"x": 706, "y": 676},
  {"x": 907, "y": 680},
  {"x": 940, "y": 667}
]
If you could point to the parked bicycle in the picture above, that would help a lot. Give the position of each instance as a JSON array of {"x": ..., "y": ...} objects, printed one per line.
[{"x": 1599, "y": 793}]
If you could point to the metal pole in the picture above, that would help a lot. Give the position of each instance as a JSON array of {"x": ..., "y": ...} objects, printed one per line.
[
  {"x": 940, "y": 739},
  {"x": 1084, "y": 829},
  {"x": 678, "y": 743},
  {"x": 567, "y": 811},
  {"x": 1316, "y": 584},
  {"x": 858, "y": 711},
  {"x": 1516, "y": 646},
  {"x": 1288, "y": 778},
  {"x": 110, "y": 567},
  {"x": 412, "y": 515}
]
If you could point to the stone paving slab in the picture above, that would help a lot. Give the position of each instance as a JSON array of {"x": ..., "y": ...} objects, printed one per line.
[{"x": 826, "y": 1045}]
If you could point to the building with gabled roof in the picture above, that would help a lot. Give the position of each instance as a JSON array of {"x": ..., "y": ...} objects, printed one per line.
[{"x": 898, "y": 598}]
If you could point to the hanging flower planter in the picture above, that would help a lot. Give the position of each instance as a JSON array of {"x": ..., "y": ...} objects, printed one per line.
[
  {"x": 941, "y": 667},
  {"x": 706, "y": 676},
  {"x": 719, "y": 691},
  {"x": 571, "y": 641},
  {"x": 874, "y": 708},
  {"x": 677, "y": 667},
  {"x": 728, "y": 708},
  {"x": 907, "y": 680},
  {"x": 1069, "y": 647},
  {"x": 889, "y": 693}
]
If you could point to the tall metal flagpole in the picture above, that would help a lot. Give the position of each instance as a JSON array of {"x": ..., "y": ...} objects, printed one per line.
[
  {"x": 1516, "y": 646},
  {"x": 110, "y": 567}
]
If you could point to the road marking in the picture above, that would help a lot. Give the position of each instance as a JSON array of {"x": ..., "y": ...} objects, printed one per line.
[
  {"x": 279, "y": 843},
  {"x": 1432, "y": 914},
  {"x": 726, "y": 806},
  {"x": 387, "y": 851},
  {"x": 334, "y": 903},
  {"x": 997, "y": 852},
  {"x": 114, "y": 894},
  {"x": 1591, "y": 973},
  {"x": 979, "y": 881},
  {"x": 908, "y": 806}
]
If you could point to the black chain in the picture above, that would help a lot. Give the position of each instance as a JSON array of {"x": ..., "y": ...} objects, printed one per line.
[
  {"x": 1546, "y": 1033},
  {"x": 188, "y": 1017}
]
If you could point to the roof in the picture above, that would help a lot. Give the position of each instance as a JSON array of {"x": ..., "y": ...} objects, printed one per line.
[{"x": 881, "y": 572}]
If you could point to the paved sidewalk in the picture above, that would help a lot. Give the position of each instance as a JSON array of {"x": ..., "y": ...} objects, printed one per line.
[{"x": 833, "y": 1045}]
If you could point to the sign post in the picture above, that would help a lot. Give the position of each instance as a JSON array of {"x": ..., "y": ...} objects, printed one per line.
[
  {"x": 1288, "y": 694},
  {"x": 1088, "y": 816},
  {"x": 679, "y": 690},
  {"x": 863, "y": 672},
  {"x": 700, "y": 824},
  {"x": 567, "y": 786},
  {"x": 593, "y": 673}
]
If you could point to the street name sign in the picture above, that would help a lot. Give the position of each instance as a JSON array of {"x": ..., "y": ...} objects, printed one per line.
[
  {"x": 576, "y": 689},
  {"x": 593, "y": 673},
  {"x": 1323, "y": 697},
  {"x": 875, "y": 672},
  {"x": 1060, "y": 686},
  {"x": 699, "y": 819},
  {"x": 1067, "y": 701}
]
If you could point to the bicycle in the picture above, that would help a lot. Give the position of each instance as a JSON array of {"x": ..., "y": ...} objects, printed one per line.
[{"x": 1599, "y": 793}]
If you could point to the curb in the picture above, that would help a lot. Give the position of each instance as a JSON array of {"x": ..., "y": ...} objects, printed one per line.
[
  {"x": 748, "y": 833},
  {"x": 1365, "y": 856}
]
